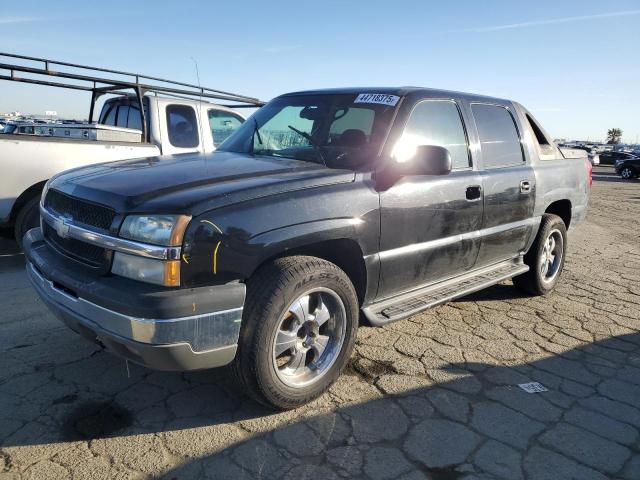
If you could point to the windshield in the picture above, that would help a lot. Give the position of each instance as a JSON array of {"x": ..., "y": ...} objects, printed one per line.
[{"x": 338, "y": 130}]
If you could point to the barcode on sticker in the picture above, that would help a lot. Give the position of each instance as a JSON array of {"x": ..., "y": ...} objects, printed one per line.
[{"x": 381, "y": 98}]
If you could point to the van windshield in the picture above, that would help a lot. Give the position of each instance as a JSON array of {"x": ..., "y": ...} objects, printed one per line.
[{"x": 338, "y": 130}]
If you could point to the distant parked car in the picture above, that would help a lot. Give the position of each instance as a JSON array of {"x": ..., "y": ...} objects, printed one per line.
[
  {"x": 593, "y": 156},
  {"x": 24, "y": 130},
  {"x": 628, "y": 168},
  {"x": 610, "y": 158},
  {"x": 9, "y": 128}
]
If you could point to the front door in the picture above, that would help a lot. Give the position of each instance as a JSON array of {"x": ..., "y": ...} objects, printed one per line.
[
  {"x": 429, "y": 224},
  {"x": 508, "y": 183}
]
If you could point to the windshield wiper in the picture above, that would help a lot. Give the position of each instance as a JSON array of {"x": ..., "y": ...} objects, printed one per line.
[
  {"x": 313, "y": 143},
  {"x": 256, "y": 133}
]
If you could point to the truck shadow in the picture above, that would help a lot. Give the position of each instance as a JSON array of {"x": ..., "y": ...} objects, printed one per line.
[
  {"x": 213, "y": 427},
  {"x": 441, "y": 428}
]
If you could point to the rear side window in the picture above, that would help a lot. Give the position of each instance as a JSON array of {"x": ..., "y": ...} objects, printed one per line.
[
  {"x": 182, "y": 126},
  {"x": 498, "y": 134},
  {"x": 135, "y": 119},
  {"x": 437, "y": 122},
  {"x": 109, "y": 117},
  {"x": 223, "y": 124},
  {"x": 123, "y": 113}
]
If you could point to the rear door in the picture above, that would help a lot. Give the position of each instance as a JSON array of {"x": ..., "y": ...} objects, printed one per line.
[
  {"x": 508, "y": 182},
  {"x": 429, "y": 224}
]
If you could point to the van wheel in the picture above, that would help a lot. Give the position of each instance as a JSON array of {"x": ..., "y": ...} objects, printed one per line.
[
  {"x": 298, "y": 329},
  {"x": 28, "y": 218},
  {"x": 545, "y": 258}
]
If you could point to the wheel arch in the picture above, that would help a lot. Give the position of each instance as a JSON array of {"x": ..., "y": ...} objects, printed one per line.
[
  {"x": 31, "y": 192},
  {"x": 561, "y": 208},
  {"x": 345, "y": 253}
]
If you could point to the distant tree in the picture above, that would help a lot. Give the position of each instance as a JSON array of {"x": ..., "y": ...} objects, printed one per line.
[{"x": 614, "y": 135}]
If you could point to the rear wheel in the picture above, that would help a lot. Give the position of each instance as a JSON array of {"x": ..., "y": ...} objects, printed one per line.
[
  {"x": 298, "y": 330},
  {"x": 545, "y": 258},
  {"x": 28, "y": 218},
  {"x": 627, "y": 173}
]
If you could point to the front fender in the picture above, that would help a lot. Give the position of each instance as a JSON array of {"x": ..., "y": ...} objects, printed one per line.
[
  {"x": 229, "y": 244},
  {"x": 295, "y": 236}
]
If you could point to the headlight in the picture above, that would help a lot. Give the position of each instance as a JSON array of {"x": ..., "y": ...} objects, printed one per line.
[
  {"x": 149, "y": 270},
  {"x": 165, "y": 230}
]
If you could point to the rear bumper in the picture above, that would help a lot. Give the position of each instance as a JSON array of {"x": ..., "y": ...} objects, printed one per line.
[{"x": 169, "y": 336}]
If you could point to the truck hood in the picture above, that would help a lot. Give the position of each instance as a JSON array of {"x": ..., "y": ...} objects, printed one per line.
[{"x": 192, "y": 183}]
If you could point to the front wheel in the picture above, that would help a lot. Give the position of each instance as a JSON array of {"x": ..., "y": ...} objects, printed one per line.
[
  {"x": 545, "y": 258},
  {"x": 627, "y": 173},
  {"x": 28, "y": 218},
  {"x": 298, "y": 330}
]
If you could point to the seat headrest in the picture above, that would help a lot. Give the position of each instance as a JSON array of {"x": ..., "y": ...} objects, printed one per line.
[{"x": 353, "y": 137}]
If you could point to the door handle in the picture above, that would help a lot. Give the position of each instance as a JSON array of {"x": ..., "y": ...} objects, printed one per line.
[
  {"x": 525, "y": 187},
  {"x": 474, "y": 192}
]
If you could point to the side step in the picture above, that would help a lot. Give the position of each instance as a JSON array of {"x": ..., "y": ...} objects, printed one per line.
[{"x": 416, "y": 301}]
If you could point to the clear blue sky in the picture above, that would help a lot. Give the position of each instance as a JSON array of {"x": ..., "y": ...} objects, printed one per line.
[{"x": 574, "y": 64}]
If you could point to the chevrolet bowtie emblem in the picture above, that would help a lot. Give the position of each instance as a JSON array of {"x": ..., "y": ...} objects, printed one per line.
[{"x": 62, "y": 227}]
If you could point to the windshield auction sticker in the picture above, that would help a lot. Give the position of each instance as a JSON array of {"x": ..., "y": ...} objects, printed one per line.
[{"x": 380, "y": 98}]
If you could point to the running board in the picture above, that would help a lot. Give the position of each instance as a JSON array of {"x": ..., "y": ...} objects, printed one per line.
[{"x": 416, "y": 301}]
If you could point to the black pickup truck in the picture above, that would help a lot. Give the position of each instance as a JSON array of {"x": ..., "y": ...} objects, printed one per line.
[{"x": 326, "y": 208}]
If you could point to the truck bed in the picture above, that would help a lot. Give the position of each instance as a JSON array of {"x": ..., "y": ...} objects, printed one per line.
[{"x": 41, "y": 157}]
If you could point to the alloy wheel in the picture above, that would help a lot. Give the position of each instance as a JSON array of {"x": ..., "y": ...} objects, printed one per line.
[
  {"x": 309, "y": 337},
  {"x": 551, "y": 257}
]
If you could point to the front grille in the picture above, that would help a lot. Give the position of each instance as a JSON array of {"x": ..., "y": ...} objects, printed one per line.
[
  {"x": 86, "y": 253},
  {"x": 80, "y": 211}
]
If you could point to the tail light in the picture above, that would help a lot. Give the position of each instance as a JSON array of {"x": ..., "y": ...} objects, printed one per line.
[{"x": 589, "y": 171}]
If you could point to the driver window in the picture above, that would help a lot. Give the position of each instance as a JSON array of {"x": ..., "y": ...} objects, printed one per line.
[
  {"x": 437, "y": 122},
  {"x": 223, "y": 124}
]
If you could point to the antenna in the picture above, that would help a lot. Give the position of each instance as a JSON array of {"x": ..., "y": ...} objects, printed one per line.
[{"x": 195, "y": 62}]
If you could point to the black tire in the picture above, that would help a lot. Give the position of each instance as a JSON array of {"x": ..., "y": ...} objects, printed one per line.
[
  {"x": 270, "y": 293},
  {"x": 28, "y": 218},
  {"x": 533, "y": 282},
  {"x": 628, "y": 173}
]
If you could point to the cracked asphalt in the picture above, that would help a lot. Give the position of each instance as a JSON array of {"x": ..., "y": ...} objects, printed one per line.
[{"x": 435, "y": 396}]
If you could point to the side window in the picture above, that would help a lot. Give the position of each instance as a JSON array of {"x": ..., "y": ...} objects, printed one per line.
[
  {"x": 223, "y": 124},
  {"x": 109, "y": 118},
  {"x": 182, "y": 126},
  {"x": 499, "y": 138},
  {"x": 123, "y": 113},
  {"x": 135, "y": 119},
  {"x": 437, "y": 122}
]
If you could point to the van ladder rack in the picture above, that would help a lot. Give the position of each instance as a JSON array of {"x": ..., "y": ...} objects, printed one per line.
[{"x": 100, "y": 85}]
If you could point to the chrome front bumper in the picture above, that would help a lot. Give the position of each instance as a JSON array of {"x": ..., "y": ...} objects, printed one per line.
[{"x": 195, "y": 342}]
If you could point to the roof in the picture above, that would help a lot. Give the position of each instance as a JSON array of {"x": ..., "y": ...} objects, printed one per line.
[{"x": 400, "y": 91}]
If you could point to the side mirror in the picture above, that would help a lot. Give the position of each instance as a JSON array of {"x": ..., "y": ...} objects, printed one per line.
[{"x": 426, "y": 160}]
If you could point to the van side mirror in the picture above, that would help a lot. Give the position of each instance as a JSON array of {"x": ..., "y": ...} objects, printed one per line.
[{"x": 425, "y": 160}]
